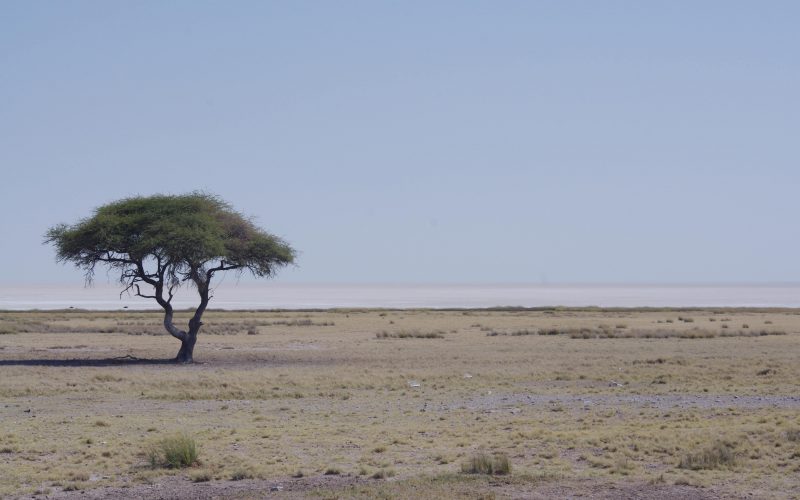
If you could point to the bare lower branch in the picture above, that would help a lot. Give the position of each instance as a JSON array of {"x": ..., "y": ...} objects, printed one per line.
[
  {"x": 139, "y": 293},
  {"x": 144, "y": 276}
]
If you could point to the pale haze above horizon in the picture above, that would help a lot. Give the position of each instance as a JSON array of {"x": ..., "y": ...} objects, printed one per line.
[{"x": 419, "y": 142}]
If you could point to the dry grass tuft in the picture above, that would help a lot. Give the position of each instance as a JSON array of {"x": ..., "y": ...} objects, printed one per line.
[
  {"x": 717, "y": 455},
  {"x": 240, "y": 474},
  {"x": 410, "y": 334},
  {"x": 483, "y": 463},
  {"x": 200, "y": 477}
]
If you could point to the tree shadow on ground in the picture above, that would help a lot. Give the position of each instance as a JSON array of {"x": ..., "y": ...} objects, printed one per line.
[{"x": 120, "y": 361}]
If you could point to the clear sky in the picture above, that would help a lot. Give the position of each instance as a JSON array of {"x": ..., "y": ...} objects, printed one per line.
[{"x": 419, "y": 141}]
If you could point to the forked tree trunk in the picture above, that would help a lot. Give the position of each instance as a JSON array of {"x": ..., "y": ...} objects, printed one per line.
[
  {"x": 187, "y": 349},
  {"x": 187, "y": 343},
  {"x": 188, "y": 339}
]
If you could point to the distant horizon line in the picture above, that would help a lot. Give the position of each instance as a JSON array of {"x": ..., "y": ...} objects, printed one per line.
[{"x": 111, "y": 284}]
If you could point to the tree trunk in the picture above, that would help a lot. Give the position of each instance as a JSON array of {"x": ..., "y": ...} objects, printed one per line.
[
  {"x": 187, "y": 348},
  {"x": 188, "y": 341}
]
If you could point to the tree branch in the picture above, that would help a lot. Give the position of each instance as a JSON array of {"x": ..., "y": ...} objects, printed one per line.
[
  {"x": 220, "y": 267},
  {"x": 139, "y": 293},
  {"x": 110, "y": 258},
  {"x": 171, "y": 328},
  {"x": 147, "y": 278}
]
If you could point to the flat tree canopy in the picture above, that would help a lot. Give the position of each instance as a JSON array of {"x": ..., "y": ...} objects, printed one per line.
[{"x": 163, "y": 241}]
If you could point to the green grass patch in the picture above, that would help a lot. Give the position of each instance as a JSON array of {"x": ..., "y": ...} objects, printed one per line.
[{"x": 173, "y": 452}]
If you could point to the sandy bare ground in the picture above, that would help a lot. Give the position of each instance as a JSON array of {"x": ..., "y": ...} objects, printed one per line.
[
  {"x": 348, "y": 486},
  {"x": 494, "y": 402}
]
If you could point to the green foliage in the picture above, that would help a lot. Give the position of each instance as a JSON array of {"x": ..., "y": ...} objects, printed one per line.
[
  {"x": 184, "y": 234},
  {"x": 173, "y": 452}
]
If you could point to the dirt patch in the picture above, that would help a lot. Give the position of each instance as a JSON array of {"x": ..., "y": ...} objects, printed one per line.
[
  {"x": 359, "y": 487},
  {"x": 595, "y": 489},
  {"x": 493, "y": 402},
  {"x": 182, "y": 488}
]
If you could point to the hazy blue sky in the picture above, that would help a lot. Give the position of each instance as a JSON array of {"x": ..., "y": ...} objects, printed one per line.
[{"x": 422, "y": 141}]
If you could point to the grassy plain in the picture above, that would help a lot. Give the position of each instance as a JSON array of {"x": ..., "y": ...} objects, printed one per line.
[{"x": 365, "y": 403}]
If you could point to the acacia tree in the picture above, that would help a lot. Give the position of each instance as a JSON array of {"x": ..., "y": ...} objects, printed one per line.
[{"x": 162, "y": 242}]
